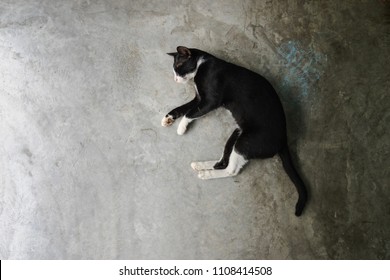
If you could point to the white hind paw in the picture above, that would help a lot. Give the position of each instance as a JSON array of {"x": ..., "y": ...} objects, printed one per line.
[
  {"x": 203, "y": 165},
  {"x": 204, "y": 174},
  {"x": 215, "y": 174}
]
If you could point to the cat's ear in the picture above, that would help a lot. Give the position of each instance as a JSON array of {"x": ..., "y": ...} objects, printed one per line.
[
  {"x": 183, "y": 51},
  {"x": 172, "y": 54}
]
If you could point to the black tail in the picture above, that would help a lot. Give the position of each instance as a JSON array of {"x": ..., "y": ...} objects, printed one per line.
[{"x": 295, "y": 178}]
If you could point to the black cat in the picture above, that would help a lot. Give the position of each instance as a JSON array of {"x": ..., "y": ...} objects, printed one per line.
[{"x": 254, "y": 105}]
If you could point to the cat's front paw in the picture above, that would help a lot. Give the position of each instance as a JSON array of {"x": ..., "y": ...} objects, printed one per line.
[
  {"x": 168, "y": 120},
  {"x": 181, "y": 129}
]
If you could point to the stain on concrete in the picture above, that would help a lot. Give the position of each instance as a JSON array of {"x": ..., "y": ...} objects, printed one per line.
[{"x": 303, "y": 67}]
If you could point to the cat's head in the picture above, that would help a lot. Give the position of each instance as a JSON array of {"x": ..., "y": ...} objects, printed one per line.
[{"x": 185, "y": 64}]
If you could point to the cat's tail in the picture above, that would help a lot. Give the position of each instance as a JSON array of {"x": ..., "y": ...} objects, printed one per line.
[{"x": 295, "y": 178}]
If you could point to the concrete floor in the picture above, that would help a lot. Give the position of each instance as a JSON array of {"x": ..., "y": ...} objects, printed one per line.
[{"x": 87, "y": 171}]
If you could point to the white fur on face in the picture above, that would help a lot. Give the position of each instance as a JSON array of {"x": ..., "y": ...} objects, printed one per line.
[
  {"x": 189, "y": 76},
  {"x": 178, "y": 79}
]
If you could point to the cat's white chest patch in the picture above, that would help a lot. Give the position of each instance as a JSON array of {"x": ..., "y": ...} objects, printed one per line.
[{"x": 179, "y": 79}]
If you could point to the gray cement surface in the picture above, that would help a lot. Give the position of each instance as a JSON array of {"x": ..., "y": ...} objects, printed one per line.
[{"x": 87, "y": 171}]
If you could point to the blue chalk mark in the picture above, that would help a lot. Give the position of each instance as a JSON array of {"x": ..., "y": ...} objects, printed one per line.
[{"x": 303, "y": 66}]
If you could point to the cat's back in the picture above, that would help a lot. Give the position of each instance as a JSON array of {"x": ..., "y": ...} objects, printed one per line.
[
  {"x": 240, "y": 82},
  {"x": 236, "y": 83},
  {"x": 248, "y": 95}
]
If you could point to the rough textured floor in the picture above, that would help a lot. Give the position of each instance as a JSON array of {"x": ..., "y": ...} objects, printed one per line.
[{"x": 87, "y": 171}]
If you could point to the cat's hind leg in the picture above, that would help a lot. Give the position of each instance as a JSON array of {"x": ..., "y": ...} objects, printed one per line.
[
  {"x": 203, "y": 165},
  {"x": 236, "y": 162},
  {"x": 224, "y": 161}
]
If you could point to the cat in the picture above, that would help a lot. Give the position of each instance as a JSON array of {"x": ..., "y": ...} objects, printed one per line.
[{"x": 254, "y": 104}]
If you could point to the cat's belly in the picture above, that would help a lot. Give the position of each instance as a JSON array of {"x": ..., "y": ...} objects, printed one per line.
[
  {"x": 237, "y": 114},
  {"x": 259, "y": 118}
]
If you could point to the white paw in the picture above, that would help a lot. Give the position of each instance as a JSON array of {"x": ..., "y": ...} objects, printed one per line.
[
  {"x": 181, "y": 128},
  {"x": 204, "y": 174},
  {"x": 167, "y": 121},
  {"x": 183, "y": 125},
  {"x": 203, "y": 165},
  {"x": 214, "y": 174}
]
